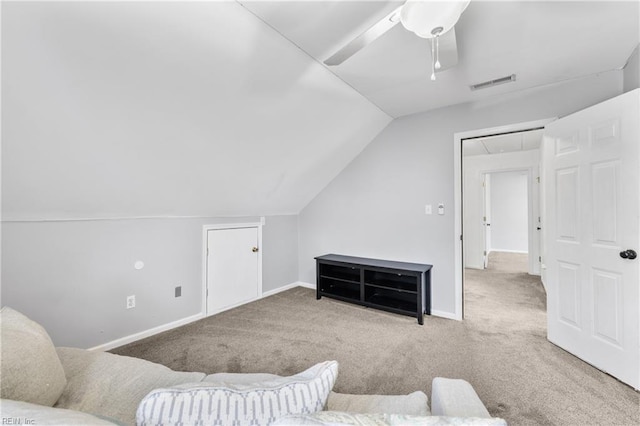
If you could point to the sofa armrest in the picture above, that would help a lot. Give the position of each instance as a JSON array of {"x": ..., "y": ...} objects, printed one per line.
[{"x": 455, "y": 398}]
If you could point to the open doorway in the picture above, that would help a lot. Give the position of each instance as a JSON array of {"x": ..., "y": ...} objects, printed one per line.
[
  {"x": 501, "y": 209},
  {"x": 460, "y": 234},
  {"x": 501, "y": 197}
]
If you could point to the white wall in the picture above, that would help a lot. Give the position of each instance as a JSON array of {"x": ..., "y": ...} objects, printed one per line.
[
  {"x": 510, "y": 211},
  {"x": 375, "y": 206},
  {"x": 73, "y": 277},
  {"x": 279, "y": 252},
  {"x": 474, "y": 168}
]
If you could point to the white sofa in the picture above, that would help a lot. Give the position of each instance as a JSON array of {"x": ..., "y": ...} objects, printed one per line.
[{"x": 46, "y": 385}]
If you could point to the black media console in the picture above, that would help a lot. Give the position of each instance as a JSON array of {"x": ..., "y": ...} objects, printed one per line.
[{"x": 399, "y": 287}]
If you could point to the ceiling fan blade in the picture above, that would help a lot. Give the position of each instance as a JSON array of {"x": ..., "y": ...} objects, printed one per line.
[{"x": 381, "y": 27}]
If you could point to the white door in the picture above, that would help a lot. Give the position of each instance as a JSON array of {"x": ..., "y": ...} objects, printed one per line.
[
  {"x": 486, "y": 201},
  {"x": 592, "y": 185},
  {"x": 232, "y": 268}
]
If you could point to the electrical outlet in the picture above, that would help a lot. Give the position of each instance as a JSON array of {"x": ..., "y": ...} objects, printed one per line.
[
  {"x": 131, "y": 302},
  {"x": 427, "y": 209},
  {"x": 178, "y": 291}
]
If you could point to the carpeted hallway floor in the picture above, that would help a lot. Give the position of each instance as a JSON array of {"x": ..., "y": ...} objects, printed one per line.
[{"x": 500, "y": 348}]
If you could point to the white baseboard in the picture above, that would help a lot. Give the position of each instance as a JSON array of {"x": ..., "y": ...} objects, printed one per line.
[
  {"x": 306, "y": 285},
  {"x": 509, "y": 251},
  {"x": 159, "y": 329},
  {"x": 288, "y": 287},
  {"x": 147, "y": 333},
  {"x": 473, "y": 267},
  {"x": 443, "y": 314}
]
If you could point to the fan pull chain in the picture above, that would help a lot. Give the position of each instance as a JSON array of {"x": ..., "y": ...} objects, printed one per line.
[
  {"x": 437, "y": 65},
  {"x": 433, "y": 61},
  {"x": 435, "y": 47}
]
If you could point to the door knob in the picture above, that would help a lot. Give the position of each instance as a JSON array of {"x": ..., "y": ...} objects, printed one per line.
[
  {"x": 628, "y": 254},
  {"x": 254, "y": 249}
]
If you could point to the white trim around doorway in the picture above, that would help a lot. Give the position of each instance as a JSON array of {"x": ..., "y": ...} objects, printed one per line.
[{"x": 457, "y": 179}]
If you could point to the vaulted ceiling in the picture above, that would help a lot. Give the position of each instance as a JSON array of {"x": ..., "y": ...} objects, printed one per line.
[
  {"x": 119, "y": 109},
  {"x": 122, "y": 109}
]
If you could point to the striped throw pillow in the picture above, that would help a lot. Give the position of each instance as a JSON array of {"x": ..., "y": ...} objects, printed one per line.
[{"x": 239, "y": 404}]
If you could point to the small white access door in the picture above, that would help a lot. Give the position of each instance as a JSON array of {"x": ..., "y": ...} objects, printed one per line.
[
  {"x": 591, "y": 181},
  {"x": 233, "y": 268}
]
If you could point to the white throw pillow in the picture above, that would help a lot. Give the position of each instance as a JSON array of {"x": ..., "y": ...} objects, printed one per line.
[{"x": 240, "y": 404}]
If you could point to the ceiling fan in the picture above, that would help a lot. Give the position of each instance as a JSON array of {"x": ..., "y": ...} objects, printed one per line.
[{"x": 430, "y": 19}]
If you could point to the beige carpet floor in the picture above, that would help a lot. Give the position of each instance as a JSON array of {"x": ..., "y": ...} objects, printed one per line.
[{"x": 500, "y": 348}]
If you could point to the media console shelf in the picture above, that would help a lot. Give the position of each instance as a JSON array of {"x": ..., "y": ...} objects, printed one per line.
[{"x": 399, "y": 287}]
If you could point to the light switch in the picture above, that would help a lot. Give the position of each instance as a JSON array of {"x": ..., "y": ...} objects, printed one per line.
[
  {"x": 427, "y": 209},
  {"x": 441, "y": 208}
]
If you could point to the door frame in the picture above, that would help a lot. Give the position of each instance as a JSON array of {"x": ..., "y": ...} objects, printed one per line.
[
  {"x": 486, "y": 212},
  {"x": 458, "y": 231},
  {"x": 205, "y": 236}
]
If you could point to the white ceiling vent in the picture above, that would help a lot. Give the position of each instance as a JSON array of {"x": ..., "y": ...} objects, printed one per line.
[{"x": 495, "y": 82}]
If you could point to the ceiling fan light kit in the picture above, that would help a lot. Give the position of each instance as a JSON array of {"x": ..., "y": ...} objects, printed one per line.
[{"x": 430, "y": 19}]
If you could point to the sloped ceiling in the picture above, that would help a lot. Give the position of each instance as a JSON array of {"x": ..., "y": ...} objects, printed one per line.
[{"x": 134, "y": 109}]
